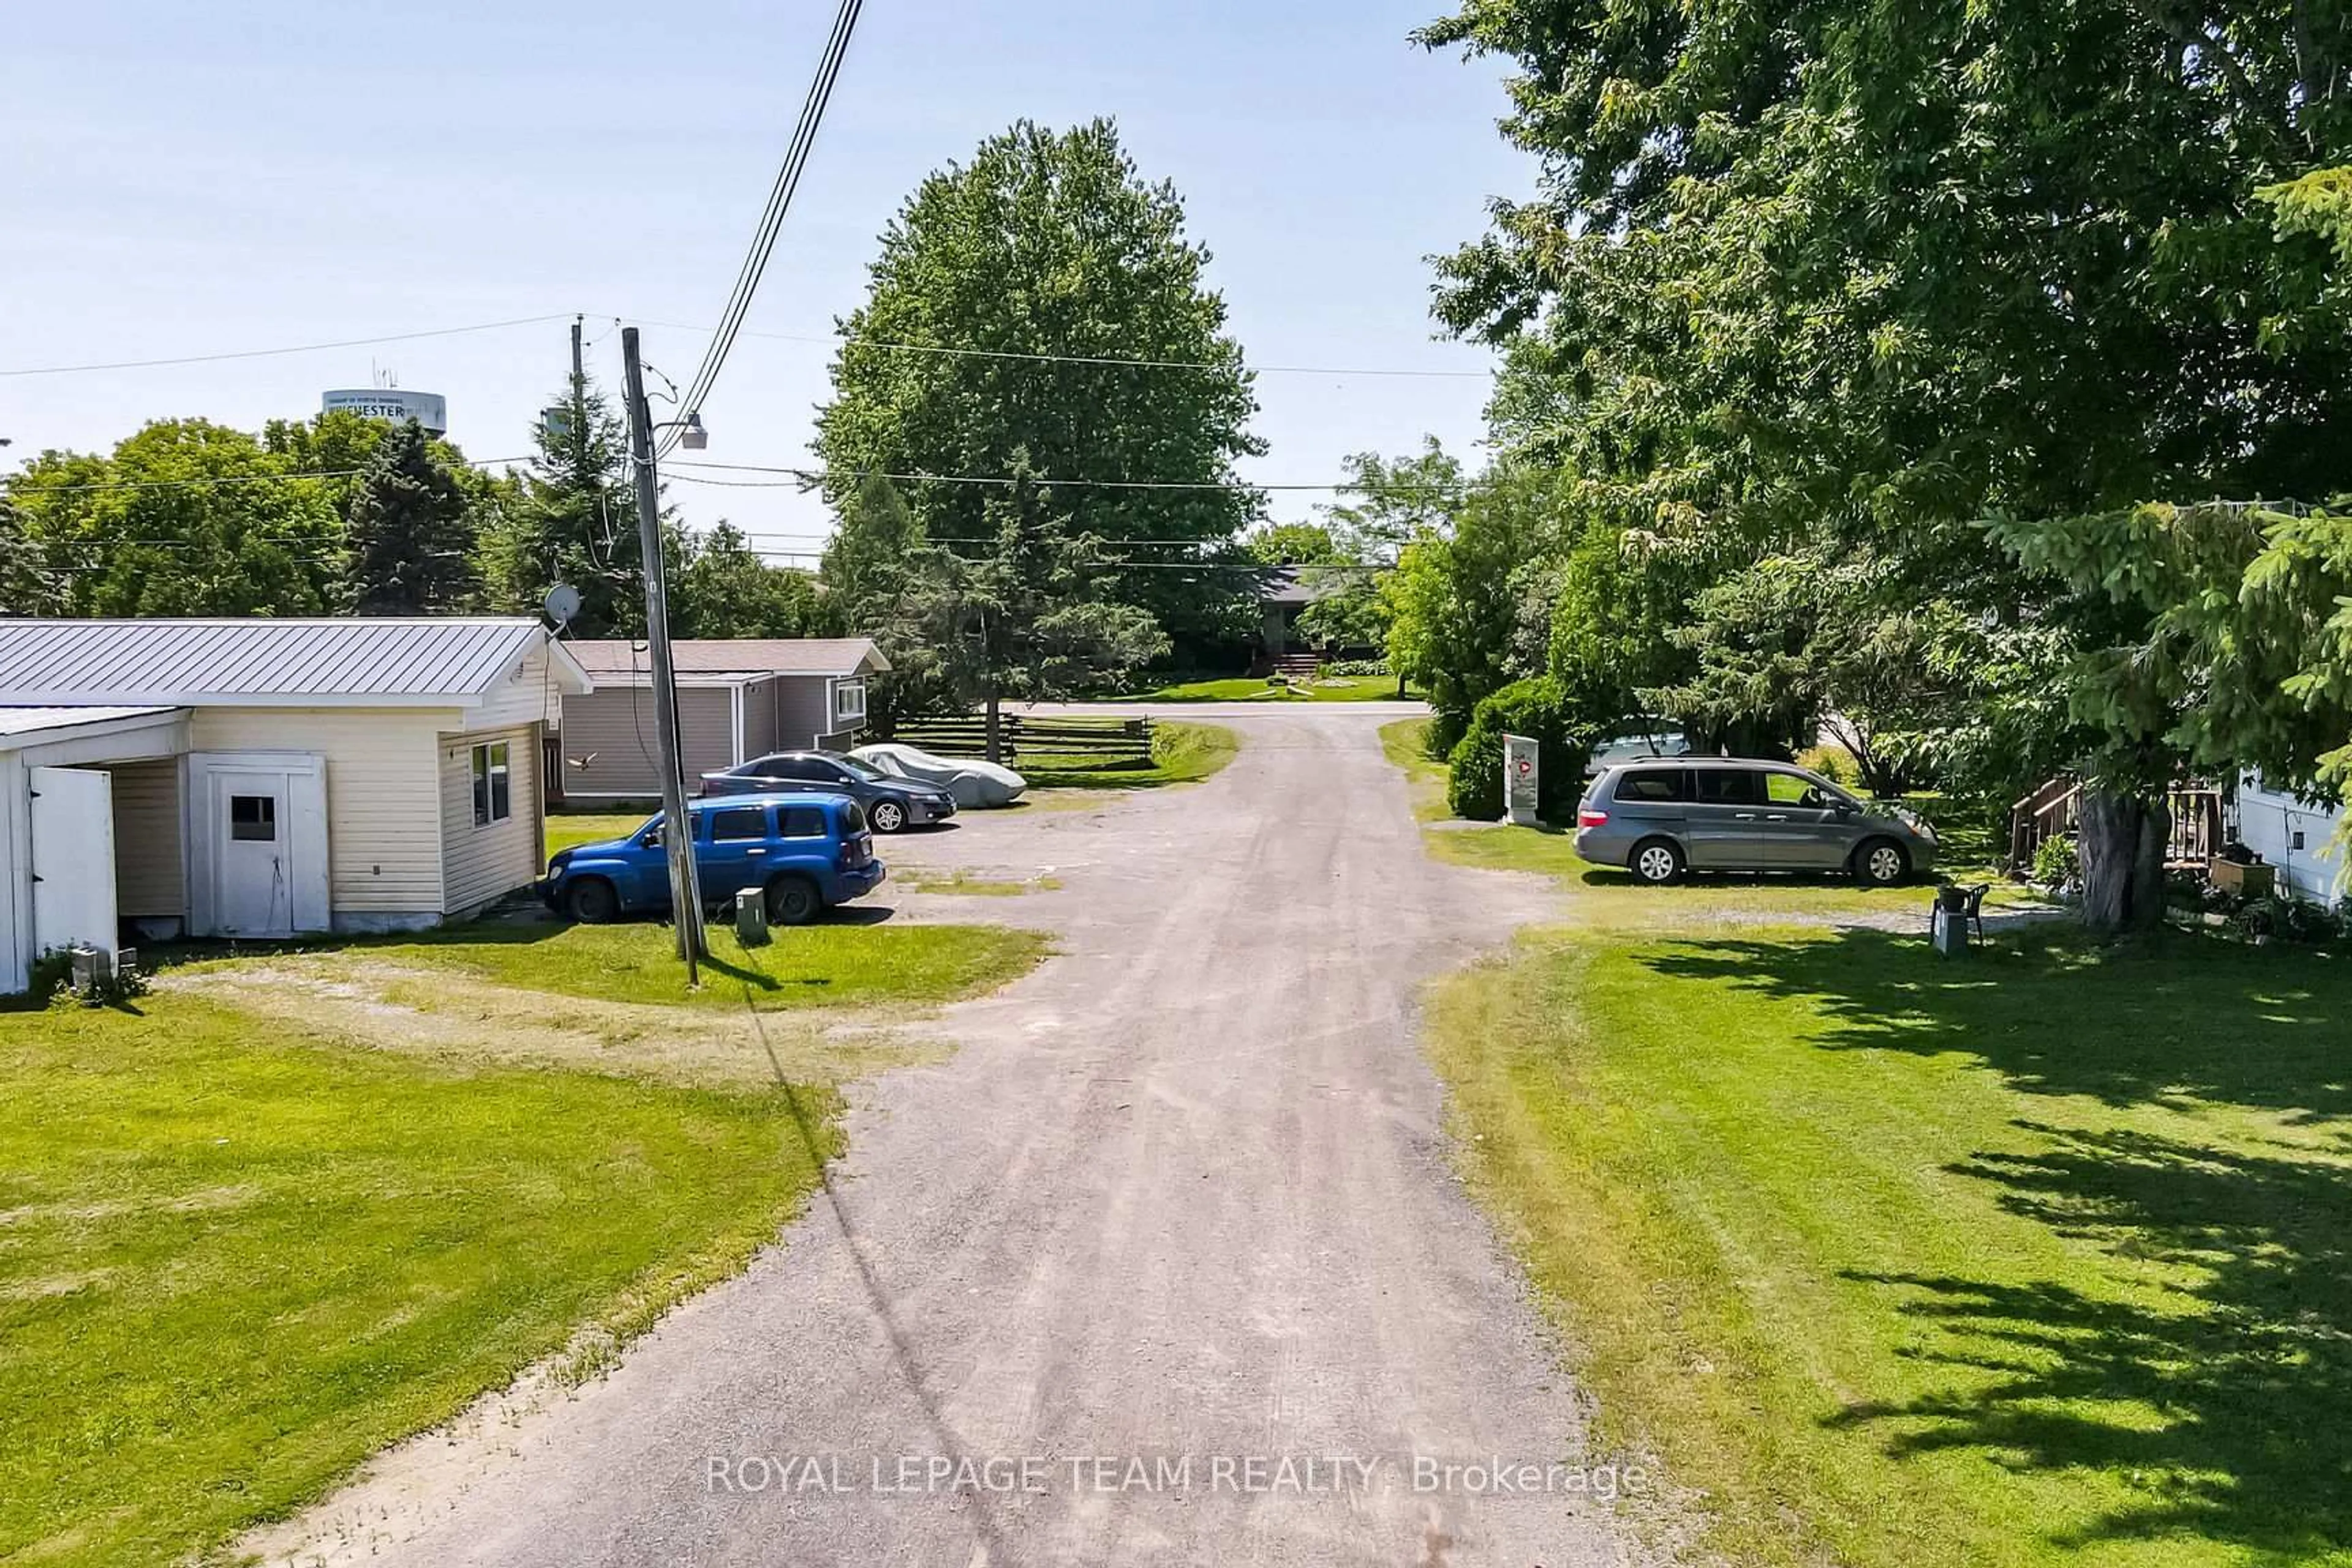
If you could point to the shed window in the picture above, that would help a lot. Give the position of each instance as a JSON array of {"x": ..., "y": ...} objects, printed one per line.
[
  {"x": 493, "y": 791},
  {"x": 849, "y": 702},
  {"x": 252, "y": 817}
]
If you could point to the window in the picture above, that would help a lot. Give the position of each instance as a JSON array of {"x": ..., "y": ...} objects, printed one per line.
[
  {"x": 493, "y": 791},
  {"x": 853, "y": 817},
  {"x": 739, "y": 823},
  {"x": 1794, "y": 789},
  {"x": 1727, "y": 786},
  {"x": 1654, "y": 783},
  {"x": 781, "y": 768},
  {"x": 802, "y": 821},
  {"x": 252, "y": 817},
  {"x": 849, "y": 702}
]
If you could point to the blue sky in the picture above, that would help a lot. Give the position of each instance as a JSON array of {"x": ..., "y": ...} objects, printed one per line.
[{"x": 174, "y": 183}]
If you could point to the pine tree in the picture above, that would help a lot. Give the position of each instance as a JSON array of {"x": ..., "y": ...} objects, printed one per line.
[
  {"x": 575, "y": 522},
  {"x": 412, "y": 538}
]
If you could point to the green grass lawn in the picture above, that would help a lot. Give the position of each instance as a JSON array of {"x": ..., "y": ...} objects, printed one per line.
[
  {"x": 234, "y": 1261},
  {"x": 1181, "y": 754},
  {"x": 2034, "y": 1258},
  {"x": 567, "y": 829},
  {"x": 822, "y": 965},
  {"x": 835, "y": 962},
  {"x": 1256, "y": 689},
  {"x": 1259, "y": 690}
]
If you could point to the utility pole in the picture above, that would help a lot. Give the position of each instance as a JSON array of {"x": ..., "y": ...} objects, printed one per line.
[
  {"x": 579, "y": 402},
  {"x": 677, "y": 831}
]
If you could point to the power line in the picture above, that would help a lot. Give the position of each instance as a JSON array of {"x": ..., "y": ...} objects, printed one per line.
[
  {"x": 37, "y": 488},
  {"x": 297, "y": 349},
  {"x": 771, "y": 219},
  {"x": 844, "y": 340},
  {"x": 802, "y": 478}
]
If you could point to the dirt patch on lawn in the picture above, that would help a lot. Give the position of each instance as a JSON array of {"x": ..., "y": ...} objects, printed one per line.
[{"x": 441, "y": 1013}]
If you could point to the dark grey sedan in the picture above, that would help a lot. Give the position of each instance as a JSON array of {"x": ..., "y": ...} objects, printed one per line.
[
  {"x": 1664, "y": 816},
  {"x": 891, "y": 804}
]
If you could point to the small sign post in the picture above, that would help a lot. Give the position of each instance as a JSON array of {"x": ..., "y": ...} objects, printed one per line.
[{"x": 1520, "y": 779}]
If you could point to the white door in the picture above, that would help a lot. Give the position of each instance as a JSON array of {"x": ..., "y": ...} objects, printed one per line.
[
  {"x": 253, "y": 859},
  {"x": 73, "y": 857}
]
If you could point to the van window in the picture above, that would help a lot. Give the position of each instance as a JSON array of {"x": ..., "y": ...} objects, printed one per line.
[
  {"x": 738, "y": 824},
  {"x": 1794, "y": 789},
  {"x": 853, "y": 817},
  {"x": 1727, "y": 786},
  {"x": 1654, "y": 783},
  {"x": 802, "y": 821}
]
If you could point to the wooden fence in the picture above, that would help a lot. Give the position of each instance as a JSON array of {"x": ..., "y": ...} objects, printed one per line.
[
  {"x": 2055, "y": 811},
  {"x": 1098, "y": 741}
]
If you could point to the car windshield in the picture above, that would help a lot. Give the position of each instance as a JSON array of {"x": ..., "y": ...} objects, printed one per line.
[{"x": 866, "y": 771}]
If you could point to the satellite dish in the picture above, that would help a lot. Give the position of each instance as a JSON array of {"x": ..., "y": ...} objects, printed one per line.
[{"x": 562, "y": 604}]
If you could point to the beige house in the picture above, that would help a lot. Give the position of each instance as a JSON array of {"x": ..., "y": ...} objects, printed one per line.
[
  {"x": 737, "y": 698},
  {"x": 262, "y": 778}
]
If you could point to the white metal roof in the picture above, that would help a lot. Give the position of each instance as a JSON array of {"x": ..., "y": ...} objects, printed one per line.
[
  {"x": 19, "y": 722},
  {"x": 363, "y": 660}
]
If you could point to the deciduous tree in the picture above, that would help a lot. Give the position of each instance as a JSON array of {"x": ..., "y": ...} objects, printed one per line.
[{"x": 1051, "y": 244}]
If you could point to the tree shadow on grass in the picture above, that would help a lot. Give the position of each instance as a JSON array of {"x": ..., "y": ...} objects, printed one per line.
[
  {"x": 2182, "y": 1022},
  {"x": 2226, "y": 1416},
  {"x": 2221, "y": 1408}
]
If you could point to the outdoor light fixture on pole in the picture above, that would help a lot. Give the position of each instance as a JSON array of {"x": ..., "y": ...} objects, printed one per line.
[{"x": 677, "y": 831}]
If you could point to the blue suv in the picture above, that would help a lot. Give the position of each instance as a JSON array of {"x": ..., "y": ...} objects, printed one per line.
[{"x": 807, "y": 852}]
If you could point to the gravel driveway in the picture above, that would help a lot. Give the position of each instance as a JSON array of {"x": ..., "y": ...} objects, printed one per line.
[{"x": 1181, "y": 1201}]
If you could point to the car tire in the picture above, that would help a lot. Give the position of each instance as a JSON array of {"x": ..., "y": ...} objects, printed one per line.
[
  {"x": 887, "y": 816},
  {"x": 591, "y": 901},
  {"x": 1881, "y": 863},
  {"x": 1657, "y": 862},
  {"x": 794, "y": 901}
]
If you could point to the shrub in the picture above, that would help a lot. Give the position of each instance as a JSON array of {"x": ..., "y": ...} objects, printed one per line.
[
  {"x": 1358, "y": 666},
  {"x": 1835, "y": 763},
  {"x": 1536, "y": 708},
  {"x": 2057, "y": 863}
]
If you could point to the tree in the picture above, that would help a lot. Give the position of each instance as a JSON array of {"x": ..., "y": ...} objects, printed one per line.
[
  {"x": 1028, "y": 613},
  {"x": 185, "y": 518},
  {"x": 1293, "y": 544},
  {"x": 571, "y": 518},
  {"x": 1050, "y": 244},
  {"x": 1469, "y": 602},
  {"x": 2209, "y": 635},
  {"x": 720, "y": 588},
  {"x": 27, "y": 587},
  {"x": 873, "y": 585},
  {"x": 411, "y": 542},
  {"x": 1836, "y": 276}
]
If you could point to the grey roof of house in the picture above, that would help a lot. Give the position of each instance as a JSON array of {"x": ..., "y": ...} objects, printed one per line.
[
  {"x": 621, "y": 661},
  {"x": 358, "y": 660}
]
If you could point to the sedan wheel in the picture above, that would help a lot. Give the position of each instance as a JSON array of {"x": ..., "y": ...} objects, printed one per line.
[
  {"x": 889, "y": 816},
  {"x": 1884, "y": 864},
  {"x": 1657, "y": 862}
]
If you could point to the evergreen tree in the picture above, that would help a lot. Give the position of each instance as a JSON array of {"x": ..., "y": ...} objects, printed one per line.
[
  {"x": 411, "y": 542},
  {"x": 571, "y": 518}
]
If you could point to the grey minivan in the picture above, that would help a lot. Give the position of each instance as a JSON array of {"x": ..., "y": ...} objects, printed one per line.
[{"x": 1662, "y": 817}]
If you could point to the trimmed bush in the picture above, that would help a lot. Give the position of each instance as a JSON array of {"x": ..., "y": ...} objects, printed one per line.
[{"x": 1540, "y": 710}]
